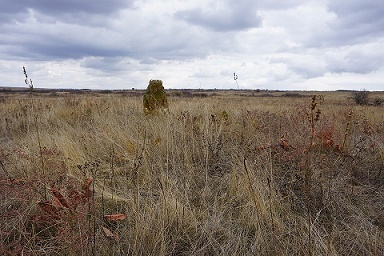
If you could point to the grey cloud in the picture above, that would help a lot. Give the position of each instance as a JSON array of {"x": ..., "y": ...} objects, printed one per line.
[
  {"x": 173, "y": 41},
  {"x": 361, "y": 11},
  {"x": 107, "y": 65},
  {"x": 67, "y": 41},
  {"x": 228, "y": 17},
  {"x": 356, "y": 21},
  {"x": 278, "y": 4},
  {"x": 58, "y": 41},
  {"x": 67, "y": 50},
  {"x": 114, "y": 39},
  {"x": 362, "y": 59},
  {"x": 48, "y": 29},
  {"x": 83, "y": 6},
  {"x": 304, "y": 65},
  {"x": 148, "y": 61},
  {"x": 202, "y": 74},
  {"x": 55, "y": 8}
]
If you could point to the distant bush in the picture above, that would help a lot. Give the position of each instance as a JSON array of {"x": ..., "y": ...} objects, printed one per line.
[
  {"x": 186, "y": 94},
  {"x": 176, "y": 94},
  {"x": 377, "y": 101},
  {"x": 361, "y": 97},
  {"x": 200, "y": 95},
  {"x": 191, "y": 94},
  {"x": 155, "y": 98},
  {"x": 293, "y": 95},
  {"x": 266, "y": 95}
]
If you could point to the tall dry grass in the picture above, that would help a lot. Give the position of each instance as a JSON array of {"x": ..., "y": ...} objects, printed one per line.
[{"x": 220, "y": 175}]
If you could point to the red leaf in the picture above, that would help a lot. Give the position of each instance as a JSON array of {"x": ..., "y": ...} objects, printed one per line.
[
  {"x": 115, "y": 217},
  {"x": 60, "y": 198},
  {"x": 48, "y": 207},
  {"x": 57, "y": 203},
  {"x": 328, "y": 143}
]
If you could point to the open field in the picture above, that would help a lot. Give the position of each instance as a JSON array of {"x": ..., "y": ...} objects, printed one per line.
[{"x": 223, "y": 173}]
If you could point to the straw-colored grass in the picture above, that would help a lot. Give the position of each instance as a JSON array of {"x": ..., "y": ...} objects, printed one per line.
[{"x": 227, "y": 174}]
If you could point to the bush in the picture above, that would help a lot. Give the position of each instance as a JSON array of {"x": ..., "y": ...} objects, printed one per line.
[
  {"x": 155, "y": 98},
  {"x": 378, "y": 101},
  {"x": 293, "y": 95},
  {"x": 361, "y": 97}
]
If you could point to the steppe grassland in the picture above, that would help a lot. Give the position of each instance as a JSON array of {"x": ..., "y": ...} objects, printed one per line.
[{"x": 226, "y": 174}]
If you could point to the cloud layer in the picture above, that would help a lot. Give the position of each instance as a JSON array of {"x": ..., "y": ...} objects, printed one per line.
[{"x": 297, "y": 44}]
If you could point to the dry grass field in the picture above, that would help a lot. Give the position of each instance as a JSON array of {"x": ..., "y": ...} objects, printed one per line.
[{"x": 222, "y": 173}]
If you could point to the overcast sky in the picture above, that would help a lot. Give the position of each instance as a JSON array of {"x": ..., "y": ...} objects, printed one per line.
[{"x": 121, "y": 44}]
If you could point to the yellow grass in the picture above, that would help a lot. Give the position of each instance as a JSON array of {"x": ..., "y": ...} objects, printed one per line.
[{"x": 224, "y": 174}]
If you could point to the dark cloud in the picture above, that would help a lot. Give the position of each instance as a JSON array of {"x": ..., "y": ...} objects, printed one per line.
[
  {"x": 227, "y": 15},
  {"x": 131, "y": 34},
  {"x": 356, "y": 21},
  {"x": 83, "y": 6},
  {"x": 12, "y": 9},
  {"x": 56, "y": 41},
  {"x": 223, "y": 16},
  {"x": 68, "y": 50},
  {"x": 51, "y": 29},
  {"x": 106, "y": 65}
]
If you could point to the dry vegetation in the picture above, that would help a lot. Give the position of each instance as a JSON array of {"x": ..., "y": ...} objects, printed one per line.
[{"x": 231, "y": 173}]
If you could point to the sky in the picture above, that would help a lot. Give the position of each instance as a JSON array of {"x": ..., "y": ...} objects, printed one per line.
[{"x": 199, "y": 44}]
